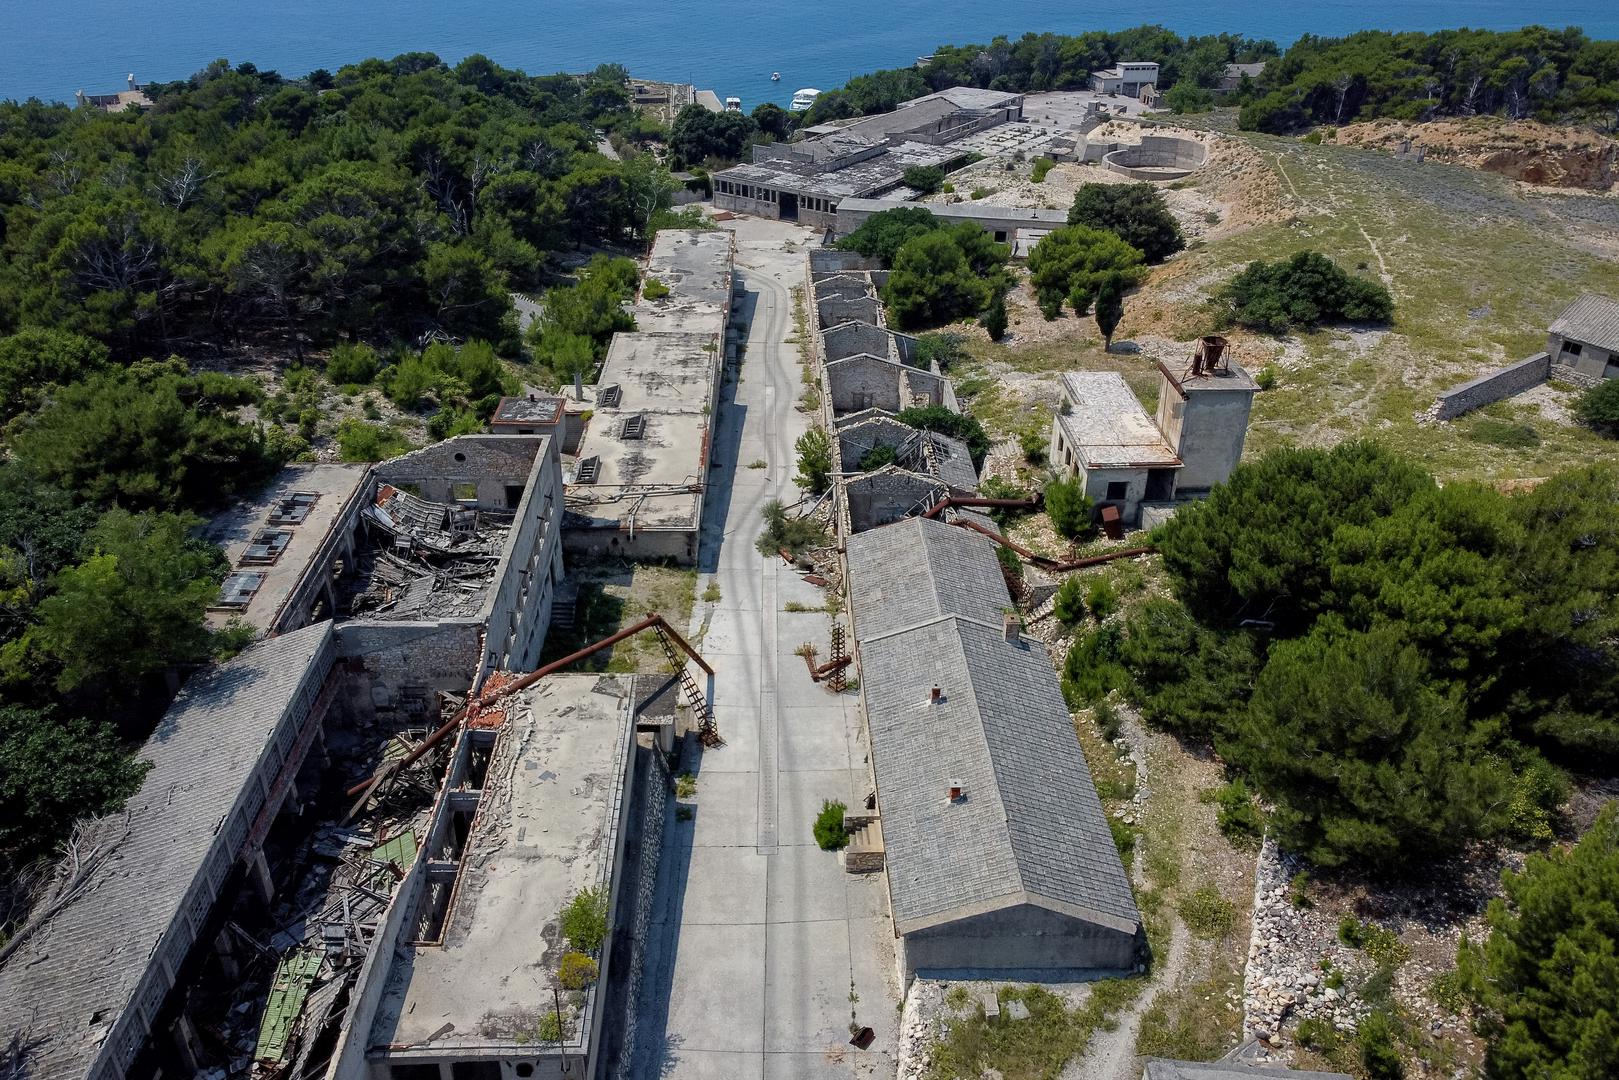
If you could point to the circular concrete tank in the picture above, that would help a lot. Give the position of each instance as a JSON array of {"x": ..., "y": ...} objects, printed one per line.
[{"x": 1158, "y": 157}]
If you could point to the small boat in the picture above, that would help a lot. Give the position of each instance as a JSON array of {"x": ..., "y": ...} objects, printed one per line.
[
  {"x": 775, "y": 76},
  {"x": 733, "y": 104},
  {"x": 803, "y": 99}
]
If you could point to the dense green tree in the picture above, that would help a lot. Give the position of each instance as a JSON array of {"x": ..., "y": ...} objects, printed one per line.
[
  {"x": 1546, "y": 979},
  {"x": 1187, "y": 678},
  {"x": 1109, "y": 310},
  {"x": 925, "y": 179},
  {"x": 132, "y": 609},
  {"x": 1597, "y": 407},
  {"x": 150, "y": 436},
  {"x": 773, "y": 120},
  {"x": 1366, "y": 759},
  {"x": 932, "y": 283},
  {"x": 55, "y": 769},
  {"x": 994, "y": 320},
  {"x": 883, "y": 234},
  {"x": 1256, "y": 548},
  {"x": 1305, "y": 290},
  {"x": 1136, "y": 212},
  {"x": 699, "y": 136},
  {"x": 33, "y": 360},
  {"x": 1075, "y": 262},
  {"x": 1188, "y": 97}
]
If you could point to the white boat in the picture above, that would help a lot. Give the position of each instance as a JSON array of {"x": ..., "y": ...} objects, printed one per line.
[
  {"x": 775, "y": 76},
  {"x": 733, "y": 104},
  {"x": 804, "y": 99}
]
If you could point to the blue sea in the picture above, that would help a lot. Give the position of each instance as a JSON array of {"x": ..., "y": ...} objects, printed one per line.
[{"x": 50, "y": 48}]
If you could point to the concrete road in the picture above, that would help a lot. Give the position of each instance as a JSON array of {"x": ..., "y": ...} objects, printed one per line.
[{"x": 762, "y": 948}]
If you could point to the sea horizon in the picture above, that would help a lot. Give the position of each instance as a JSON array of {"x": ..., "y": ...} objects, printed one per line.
[{"x": 703, "y": 42}]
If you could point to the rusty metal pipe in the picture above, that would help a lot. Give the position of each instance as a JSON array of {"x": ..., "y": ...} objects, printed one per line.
[
  {"x": 523, "y": 683},
  {"x": 1031, "y": 503}
]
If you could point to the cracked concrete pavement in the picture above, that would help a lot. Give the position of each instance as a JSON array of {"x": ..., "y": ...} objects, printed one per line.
[{"x": 762, "y": 949}]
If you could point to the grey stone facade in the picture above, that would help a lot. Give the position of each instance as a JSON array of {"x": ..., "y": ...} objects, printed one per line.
[{"x": 1492, "y": 386}]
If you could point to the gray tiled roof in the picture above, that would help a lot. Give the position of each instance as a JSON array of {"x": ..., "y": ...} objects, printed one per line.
[
  {"x": 1590, "y": 320},
  {"x": 954, "y": 461},
  {"x": 918, "y": 569},
  {"x": 96, "y": 969},
  {"x": 928, "y": 599}
]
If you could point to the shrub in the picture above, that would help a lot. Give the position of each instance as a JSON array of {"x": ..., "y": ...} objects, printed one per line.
[
  {"x": 956, "y": 425},
  {"x": 360, "y": 441},
  {"x": 353, "y": 365},
  {"x": 1378, "y": 1054},
  {"x": 1101, "y": 598},
  {"x": 654, "y": 289},
  {"x": 944, "y": 348},
  {"x": 549, "y": 1028},
  {"x": 1032, "y": 442},
  {"x": 1503, "y": 433},
  {"x": 814, "y": 460},
  {"x": 1207, "y": 914},
  {"x": 576, "y": 971},
  {"x": 1073, "y": 263},
  {"x": 792, "y": 534},
  {"x": 1315, "y": 1033},
  {"x": 584, "y": 921},
  {"x": 1069, "y": 606},
  {"x": 1306, "y": 290},
  {"x": 1107, "y": 719},
  {"x": 1092, "y": 667},
  {"x": 1042, "y": 166},
  {"x": 1068, "y": 507},
  {"x": 829, "y": 831},
  {"x": 1239, "y": 819},
  {"x": 1598, "y": 408},
  {"x": 876, "y": 458},
  {"x": 925, "y": 179},
  {"x": 994, "y": 321},
  {"x": 1298, "y": 891},
  {"x": 1313, "y": 139},
  {"x": 1266, "y": 379},
  {"x": 982, "y": 192},
  {"x": 1351, "y": 931},
  {"x": 1188, "y": 97}
]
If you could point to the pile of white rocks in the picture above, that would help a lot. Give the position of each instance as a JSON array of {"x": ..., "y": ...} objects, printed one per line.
[
  {"x": 1287, "y": 974},
  {"x": 921, "y": 1025}
]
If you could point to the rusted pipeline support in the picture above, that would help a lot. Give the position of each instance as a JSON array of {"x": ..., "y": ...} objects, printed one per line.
[
  {"x": 831, "y": 666},
  {"x": 485, "y": 700},
  {"x": 1032, "y": 503},
  {"x": 1098, "y": 560}
]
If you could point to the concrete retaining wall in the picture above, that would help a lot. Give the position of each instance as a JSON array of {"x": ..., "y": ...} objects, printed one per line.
[
  {"x": 1492, "y": 386},
  {"x": 1158, "y": 157},
  {"x": 655, "y": 808}
]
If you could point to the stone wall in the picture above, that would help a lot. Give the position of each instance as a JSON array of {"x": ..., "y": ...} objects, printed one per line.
[
  {"x": 487, "y": 467},
  {"x": 391, "y": 665},
  {"x": 1491, "y": 387},
  {"x": 834, "y": 311},
  {"x": 518, "y": 611},
  {"x": 852, "y": 339},
  {"x": 638, "y": 916},
  {"x": 887, "y": 495},
  {"x": 864, "y": 382}
]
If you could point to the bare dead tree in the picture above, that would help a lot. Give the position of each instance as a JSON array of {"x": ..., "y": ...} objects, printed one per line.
[
  {"x": 83, "y": 851},
  {"x": 177, "y": 188}
]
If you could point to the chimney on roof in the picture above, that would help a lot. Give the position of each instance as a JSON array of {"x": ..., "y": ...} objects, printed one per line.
[
  {"x": 955, "y": 790},
  {"x": 935, "y": 695},
  {"x": 1009, "y": 628}
]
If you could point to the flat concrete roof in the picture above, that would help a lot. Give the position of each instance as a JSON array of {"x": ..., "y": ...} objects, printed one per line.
[
  {"x": 533, "y": 409},
  {"x": 334, "y": 487},
  {"x": 877, "y": 174},
  {"x": 1107, "y": 426},
  {"x": 650, "y": 444},
  {"x": 547, "y": 829}
]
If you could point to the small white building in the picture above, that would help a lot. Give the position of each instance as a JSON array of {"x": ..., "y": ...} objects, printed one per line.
[
  {"x": 1125, "y": 458},
  {"x": 1127, "y": 78}
]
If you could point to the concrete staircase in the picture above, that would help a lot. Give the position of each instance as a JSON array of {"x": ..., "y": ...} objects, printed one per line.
[{"x": 864, "y": 854}]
